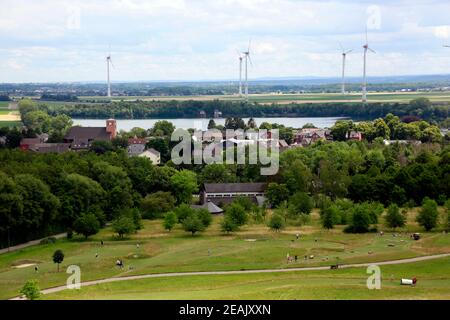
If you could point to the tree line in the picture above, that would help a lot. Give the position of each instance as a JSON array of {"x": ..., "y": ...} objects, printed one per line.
[{"x": 420, "y": 108}]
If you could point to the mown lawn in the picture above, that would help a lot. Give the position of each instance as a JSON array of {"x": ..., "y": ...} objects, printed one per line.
[
  {"x": 254, "y": 247},
  {"x": 433, "y": 283}
]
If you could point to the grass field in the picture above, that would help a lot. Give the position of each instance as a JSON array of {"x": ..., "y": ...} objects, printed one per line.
[
  {"x": 433, "y": 283},
  {"x": 255, "y": 247},
  {"x": 299, "y": 98}
]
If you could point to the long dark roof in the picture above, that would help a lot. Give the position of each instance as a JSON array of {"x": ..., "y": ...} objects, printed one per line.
[
  {"x": 84, "y": 133},
  {"x": 234, "y": 187}
]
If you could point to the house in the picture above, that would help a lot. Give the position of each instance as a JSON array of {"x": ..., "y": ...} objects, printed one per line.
[
  {"x": 82, "y": 137},
  {"x": 354, "y": 135},
  {"x": 152, "y": 154},
  {"x": 210, "y": 206},
  {"x": 223, "y": 193},
  {"x": 411, "y": 142},
  {"x": 217, "y": 114},
  {"x": 307, "y": 136},
  {"x": 202, "y": 114},
  {"x": 136, "y": 146},
  {"x": 52, "y": 147}
]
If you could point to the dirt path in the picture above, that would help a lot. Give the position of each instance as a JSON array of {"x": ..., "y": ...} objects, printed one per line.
[
  {"x": 30, "y": 243},
  {"x": 204, "y": 273}
]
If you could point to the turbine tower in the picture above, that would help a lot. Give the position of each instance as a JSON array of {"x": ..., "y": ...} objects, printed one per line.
[
  {"x": 364, "y": 84},
  {"x": 344, "y": 56},
  {"x": 108, "y": 62},
  {"x": 247, "y": 60},
  {"x": 240, "y": 74}
]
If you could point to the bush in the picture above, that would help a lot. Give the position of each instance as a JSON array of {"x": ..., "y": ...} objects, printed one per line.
[
  {"x": 30, "y": 290},
  {"x": 154, "y": 205},
  {"x": 276, "y": 222},
  {"x": 170, "y": 220},
  {"x": 236, "y": 213},
  {"x": 193, "y": 224},
  {"x": 227, "y": 225}
]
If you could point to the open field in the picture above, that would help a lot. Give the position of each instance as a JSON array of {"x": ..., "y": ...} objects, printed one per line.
[
  {"x": 433, "y": 283},
  {"x": 298, "y": 98},
  {"x": 255, "y": 247}
]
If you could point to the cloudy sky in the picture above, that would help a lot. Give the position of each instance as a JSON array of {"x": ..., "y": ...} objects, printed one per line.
[{"x": 48, "y": 41}]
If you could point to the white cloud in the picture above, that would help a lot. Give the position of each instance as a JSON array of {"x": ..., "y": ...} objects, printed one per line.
[{"x": 51, "y": 40}]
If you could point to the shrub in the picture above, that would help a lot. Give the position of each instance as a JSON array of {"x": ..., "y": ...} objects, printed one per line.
[
  {"x": 276, "y": 222},
  {"x": 228, "y": 225},
  {"x": 30, "y": 290}
]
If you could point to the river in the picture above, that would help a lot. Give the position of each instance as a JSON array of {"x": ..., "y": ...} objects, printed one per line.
[{"x": 126, "y": 124}]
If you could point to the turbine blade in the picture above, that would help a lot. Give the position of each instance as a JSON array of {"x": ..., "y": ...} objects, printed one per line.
[{"x": 371, "y": 50}]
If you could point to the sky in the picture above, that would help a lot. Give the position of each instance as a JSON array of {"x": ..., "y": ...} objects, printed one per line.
[{"x": 159, "y": 40}]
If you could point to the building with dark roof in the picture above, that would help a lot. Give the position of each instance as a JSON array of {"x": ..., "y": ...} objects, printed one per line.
[
  {"x": 82, "y": 137},
  {"x": 210, "y": 206},
  {"x": 224, "y": 193}
]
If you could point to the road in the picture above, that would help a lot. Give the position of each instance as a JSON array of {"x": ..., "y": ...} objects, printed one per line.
[{"x": 206, "y": 273}]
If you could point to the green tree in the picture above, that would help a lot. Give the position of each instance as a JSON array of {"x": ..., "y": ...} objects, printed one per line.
[
  {"x": 193, "y": 224},
  {"x": 30, "y": 290},
  {"x": 276, "y": 222},
  {"x": 328, "y": 217},
  {"x": 58, "y": 257},
  {"x": 296, "y": 175},
  {"x": 341, "y": 129},
  {"x": 228, "y": 225},
  {"x": 277, "y": 193},
  {"x": 394, "y": 218},
  {"x": 204, "y": 216},
  {"x": 123, "y": 225},
  {"x": 170, "y": 220},
  {"x": 40, "y": 206},
  {"x": 184, "y": 184},
  {"x": 154, "y": 205},
  {"x": 236, "y": 213},
  {"x": 428, "y": 214},
  {"x": 162, "y": 128},
  {"x": 101, "y": 146},
  {"x": 360, "y": 220},
  {"x": 300, "y": 203},
  {"x": 87, "y": 225}
]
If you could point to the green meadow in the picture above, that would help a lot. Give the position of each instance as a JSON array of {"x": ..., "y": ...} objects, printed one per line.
[{"x": 254, "y": 247}]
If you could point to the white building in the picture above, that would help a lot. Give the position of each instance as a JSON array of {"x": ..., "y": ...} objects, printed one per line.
[{"x": 152, "y": 154}]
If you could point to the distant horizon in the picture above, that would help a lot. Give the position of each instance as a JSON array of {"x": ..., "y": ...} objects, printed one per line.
[{"x": 260, "y": 79}]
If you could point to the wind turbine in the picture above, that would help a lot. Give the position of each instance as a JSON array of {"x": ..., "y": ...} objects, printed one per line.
[
  {"x": 344, "y": 56},
  {"x": 240, "y": 73},
  {"x": 247, "y": 59},
  {"x": 108, "y": 62},
  {"x": 364, "y": 85}
]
